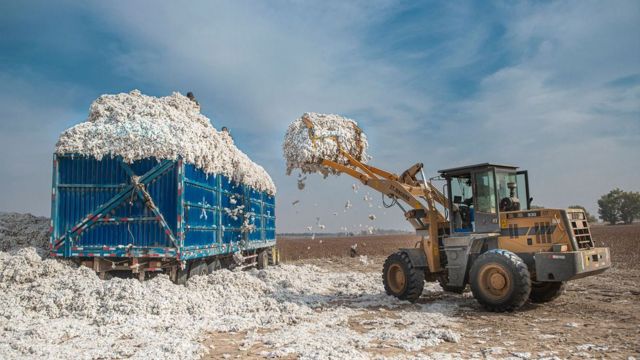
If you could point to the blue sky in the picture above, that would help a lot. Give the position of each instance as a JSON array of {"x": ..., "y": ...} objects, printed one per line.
[{"x": 553, "y": 87}]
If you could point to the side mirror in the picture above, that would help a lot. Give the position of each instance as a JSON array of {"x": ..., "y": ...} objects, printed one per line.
[{"x": 530, "y": 202}]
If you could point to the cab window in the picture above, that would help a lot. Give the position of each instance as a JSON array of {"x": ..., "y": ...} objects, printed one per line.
[
  {"x": 462, "y": 203},
  {"x": 485, "y": 192}
]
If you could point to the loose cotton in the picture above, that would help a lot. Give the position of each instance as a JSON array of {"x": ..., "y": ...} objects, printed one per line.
[
  {"x": 305, "y": 154},
  {"x": 136, "y": 126}
]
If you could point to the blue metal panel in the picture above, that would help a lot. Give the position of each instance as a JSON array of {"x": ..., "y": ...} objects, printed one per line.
[{"x": 97, "y": 210}]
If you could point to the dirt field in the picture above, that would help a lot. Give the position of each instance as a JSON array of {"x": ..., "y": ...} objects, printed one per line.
[{"x": 597, "y": 317}]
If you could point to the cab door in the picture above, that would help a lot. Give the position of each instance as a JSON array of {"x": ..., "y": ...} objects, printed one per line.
[
  {"x": 486, "y": 204},
  {"x": 522, "y": 182}
]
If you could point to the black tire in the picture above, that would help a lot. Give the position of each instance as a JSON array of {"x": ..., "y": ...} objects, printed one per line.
[
  {"x": 542, "y": 292},
  {"x": 213, "y": 265},
  {"x": 198, "y": 268},
  {"x": 401, "y": 279},
  {"x": 262, "y": 261},
  {"x": 181, "y": 275},
  {"x": 443, "y": 280},
  {"x": 500, "y": 280},
  {"x": 273, "y": 256}
]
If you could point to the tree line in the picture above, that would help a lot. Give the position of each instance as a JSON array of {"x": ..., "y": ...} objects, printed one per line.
[{"x": 619, "y": 206}]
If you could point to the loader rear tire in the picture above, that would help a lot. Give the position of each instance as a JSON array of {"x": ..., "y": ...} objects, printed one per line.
[
  {"x": 542, "y": 292},
  {"x": 401, "y": 279},
  {"x": 500, "y": 280}
]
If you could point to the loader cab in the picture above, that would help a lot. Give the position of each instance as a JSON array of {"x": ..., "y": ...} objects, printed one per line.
[{"x": 479, "y": 193}]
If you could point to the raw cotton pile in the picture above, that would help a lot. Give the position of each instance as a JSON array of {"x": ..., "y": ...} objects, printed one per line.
[
  {"x": 135, "y": 126},
  {"x": 61, "y": 311},
  {"x": 301, "y": 153},
  {"x": 23, "y": 230}
]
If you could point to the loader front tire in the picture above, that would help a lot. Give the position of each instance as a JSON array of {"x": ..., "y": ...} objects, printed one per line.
[
  {"x": 500, "y": 280},
  {"x": 401, "y": 279},
  {"x": 542, "y": 292}
]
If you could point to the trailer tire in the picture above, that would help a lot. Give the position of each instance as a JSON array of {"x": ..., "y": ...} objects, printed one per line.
[
  {"x": 273, "y": 255},
  {"x": 181, "y": 275},
  {"x": 401, "y": 279},
  {"x": 262, "y": 261},
  {"x": 198, "y": 268},
  {"x": 500, "y": 280},
  {"x": 213, "y": 265},
  {"x": 542, "y": 292}
]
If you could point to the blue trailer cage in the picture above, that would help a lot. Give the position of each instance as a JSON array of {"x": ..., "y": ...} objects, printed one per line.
[{"x": 156, "y": 215}]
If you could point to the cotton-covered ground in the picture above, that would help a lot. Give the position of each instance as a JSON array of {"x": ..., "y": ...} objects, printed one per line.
[{"x": 54, "y": 309}]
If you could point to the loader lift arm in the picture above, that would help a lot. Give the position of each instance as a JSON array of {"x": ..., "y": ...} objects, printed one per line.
[{"x": 420, "y": 195}]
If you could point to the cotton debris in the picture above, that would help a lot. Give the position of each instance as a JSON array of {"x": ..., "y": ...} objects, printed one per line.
[
  {"x": 60, "y": 311},
  {"x": 304, "y": 153},
  {"x": 136, "y": 126}
]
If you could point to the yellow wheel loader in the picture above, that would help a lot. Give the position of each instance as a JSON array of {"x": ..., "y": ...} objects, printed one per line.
[{"x": 480, "y": 234}]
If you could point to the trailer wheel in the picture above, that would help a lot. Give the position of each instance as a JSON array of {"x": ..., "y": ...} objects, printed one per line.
[
  {"x": 401, "y": 279},
  {"x": 542, "y": 292},
  {"x": 181, "y": 275},
  {"x": 198, "y": 268},
  {"x": 500, "y": 280},
  {"x": 273, "y": 255},
  {"x": 213, "y": 265},
  {"x": 262, "y": 261}
]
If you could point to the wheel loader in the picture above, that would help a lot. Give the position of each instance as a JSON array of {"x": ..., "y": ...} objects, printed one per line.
[{"x": 477, "y": 231}]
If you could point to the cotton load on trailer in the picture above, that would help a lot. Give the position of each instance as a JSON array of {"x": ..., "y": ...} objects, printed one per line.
[{"x": 193, "y": 208}]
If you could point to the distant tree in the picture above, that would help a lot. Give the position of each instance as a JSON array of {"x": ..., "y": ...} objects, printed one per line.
[
  {"x": 609, "y": 206},
  {"x": 629, "y": 206},
  {"x": 590, "y": 218},
  {"x": 536, "y": 207}
]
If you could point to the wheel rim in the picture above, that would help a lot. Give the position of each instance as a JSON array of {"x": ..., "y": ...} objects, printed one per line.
[
  {"x": 396, "y": 278},
  {"x": 495, "y": 281}
]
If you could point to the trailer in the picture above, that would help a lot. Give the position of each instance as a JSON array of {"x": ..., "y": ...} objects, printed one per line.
[{"x": 157, "y": 216}]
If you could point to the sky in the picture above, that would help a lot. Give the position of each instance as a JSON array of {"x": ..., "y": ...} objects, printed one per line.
[{"x": 552, "y": 87}]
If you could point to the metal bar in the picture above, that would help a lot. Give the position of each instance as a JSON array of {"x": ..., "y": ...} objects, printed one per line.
[
  {"x": 92, "y": 186},
  {"x": 380, "y": 172},
  {"x": 357, "y": 163},
  {"x": 342, "y": 168},
  {"x": 122, "y": 220},
  {"x": 201, "y": 206},
  {"x": 219, "y": 197},
  {"x": 54, "y": 202},
  {"x": 180, "y": 203},
  {"x": 199, "y": 184}
]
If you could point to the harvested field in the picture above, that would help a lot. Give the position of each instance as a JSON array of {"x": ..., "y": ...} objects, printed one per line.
[
  {"x": 315, "y": 308},
  {"x": 595, "y": 318},
  {"x": 624, "y": 241},
  {"x": 296, "y": 248}
]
